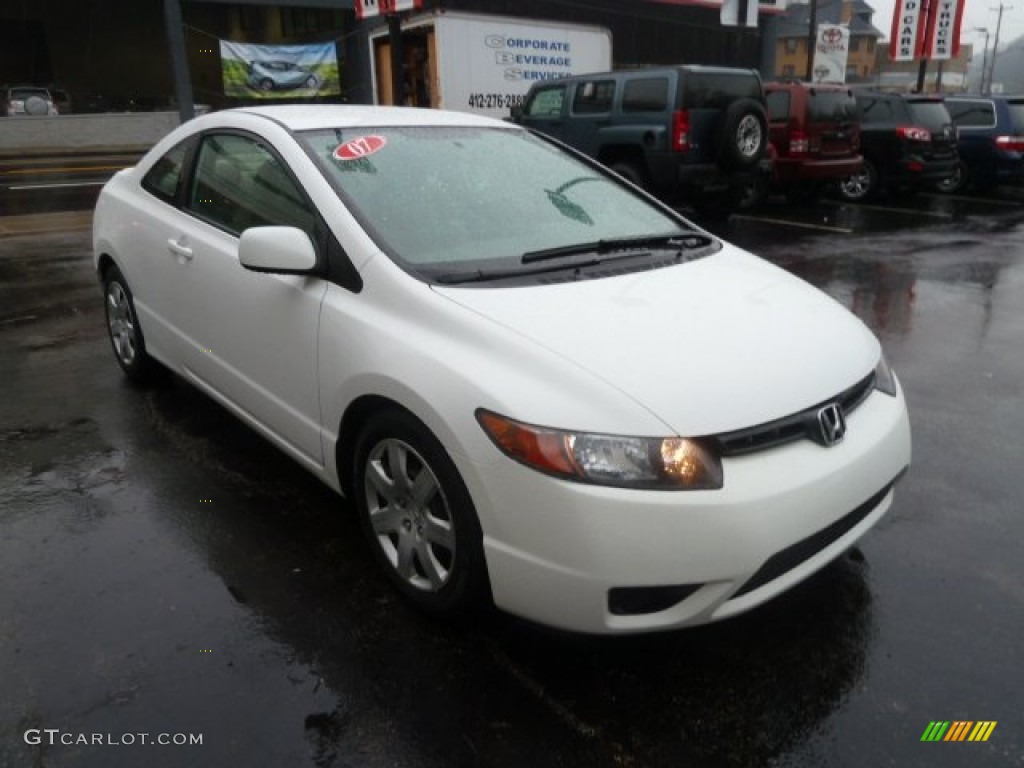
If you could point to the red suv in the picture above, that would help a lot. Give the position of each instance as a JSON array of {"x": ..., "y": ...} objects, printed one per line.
[{"x": 816, "y": 134}]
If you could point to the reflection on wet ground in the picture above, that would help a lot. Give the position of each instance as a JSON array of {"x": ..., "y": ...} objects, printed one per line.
[{"x": 165, "y": 570}]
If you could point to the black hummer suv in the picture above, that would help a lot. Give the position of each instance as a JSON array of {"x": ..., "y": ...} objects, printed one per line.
[{"x": 690, "y": 131}]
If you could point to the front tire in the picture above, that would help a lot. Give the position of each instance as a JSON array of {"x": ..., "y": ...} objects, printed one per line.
[
  {"x": 123, "y": 328},
  {"x": 418, "y": 516}
]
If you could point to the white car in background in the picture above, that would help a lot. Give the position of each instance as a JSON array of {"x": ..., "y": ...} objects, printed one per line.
[
  {"x": 538, "y": 385},
  {"x": 28, "y": 100}
]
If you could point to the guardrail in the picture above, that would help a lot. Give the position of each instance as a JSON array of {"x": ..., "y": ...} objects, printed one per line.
[{"x": 126, "y": 131}]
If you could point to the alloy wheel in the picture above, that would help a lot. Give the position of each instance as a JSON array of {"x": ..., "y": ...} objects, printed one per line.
[
  {"x": 410, "y": 515},
  {"x": 120, "y": 323}
]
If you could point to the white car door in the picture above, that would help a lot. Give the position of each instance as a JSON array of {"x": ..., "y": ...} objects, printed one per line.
[{"x": 253, "y": 335}]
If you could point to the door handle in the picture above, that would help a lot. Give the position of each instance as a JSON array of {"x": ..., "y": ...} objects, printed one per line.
[{"x": 179, "y": 250}]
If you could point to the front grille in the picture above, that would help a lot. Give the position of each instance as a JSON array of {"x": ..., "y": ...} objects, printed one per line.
[
  {"x": 789, "y": 558},
  {"x": 789, "y": 428}
]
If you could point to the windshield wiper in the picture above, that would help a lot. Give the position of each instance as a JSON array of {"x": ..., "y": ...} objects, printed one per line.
[
  {"x": 485, "y": 275},
  {"x": 681, "y": 242}
]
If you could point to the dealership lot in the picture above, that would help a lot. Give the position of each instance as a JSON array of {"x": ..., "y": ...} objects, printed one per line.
[{"x": 167, "y": 572}]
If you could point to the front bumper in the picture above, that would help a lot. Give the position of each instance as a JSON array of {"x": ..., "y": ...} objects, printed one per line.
[{"x": 556, "y": 550}]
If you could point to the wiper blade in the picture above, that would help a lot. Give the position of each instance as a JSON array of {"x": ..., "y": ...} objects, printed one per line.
[
  {"x": 681, "y": 242},
  {"x": 486, "y": 275}
]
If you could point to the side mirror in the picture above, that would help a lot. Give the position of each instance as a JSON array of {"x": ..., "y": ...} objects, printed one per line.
[
  {"x": 287, "y": 250},
  {"x": 516, "y": 113}
]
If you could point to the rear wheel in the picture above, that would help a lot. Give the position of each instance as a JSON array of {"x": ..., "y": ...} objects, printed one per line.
[
  {"x": 957, "y": 182},
  {"x": 631, "y": 173},
  {"x": 861, "y": 185},
  {"x": 123, "y": 328},
  {"x": 418, "y": 516}
]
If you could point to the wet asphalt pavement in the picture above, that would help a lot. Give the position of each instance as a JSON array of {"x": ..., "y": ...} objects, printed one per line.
[{"x": 163, "y": 571}]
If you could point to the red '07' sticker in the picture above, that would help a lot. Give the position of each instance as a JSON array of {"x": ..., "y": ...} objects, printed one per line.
[{"x": 361, "y": 146}]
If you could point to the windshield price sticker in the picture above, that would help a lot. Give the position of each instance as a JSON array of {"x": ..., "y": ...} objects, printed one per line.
[{"x": 361, "y": 146}]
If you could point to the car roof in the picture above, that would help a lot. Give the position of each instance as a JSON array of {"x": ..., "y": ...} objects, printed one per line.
[
  {"x": 307, "y": 117},
  {"x": 780, "y": 84}
]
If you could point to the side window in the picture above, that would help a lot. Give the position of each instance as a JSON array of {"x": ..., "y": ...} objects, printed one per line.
[
  {"x": 239, "y": 184},
  {"x": 164, "y": 177},
  {"x": 546, "y": 102},
  {"x": 875, "y": 111},
  {"x": 645, "y": 94},
  {"x": 593, "y": 97},
  {"x": 778, "y": 106},
  {"x": 975, "y": 114}
]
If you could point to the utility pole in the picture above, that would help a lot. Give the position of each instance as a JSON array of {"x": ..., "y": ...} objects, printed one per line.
[
  {"x": 984, "y": 59},
  {"x": 922, "y": 69},
  {"x": 812, "y": 40},
  {"x": 995, "y": 44}
]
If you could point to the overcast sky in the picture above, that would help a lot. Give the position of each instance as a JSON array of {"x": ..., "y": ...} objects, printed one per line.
[{"x": 977, "y": 13}]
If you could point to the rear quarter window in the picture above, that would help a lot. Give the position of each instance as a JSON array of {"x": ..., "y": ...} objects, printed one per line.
[
  {"x": 593, "y": 97},
  {"x": 164, "y": 178},
  {"x": 1016, "y": 109},
  {"x": 972, "y": 114},
  {"x": 645, "y": 94}
]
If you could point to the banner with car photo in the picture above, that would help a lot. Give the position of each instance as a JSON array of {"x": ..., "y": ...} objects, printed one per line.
[{"x": 279, "y": 71}]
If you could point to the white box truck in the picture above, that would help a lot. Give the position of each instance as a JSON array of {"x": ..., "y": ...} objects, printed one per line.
[{"x": 483, "y": 64}]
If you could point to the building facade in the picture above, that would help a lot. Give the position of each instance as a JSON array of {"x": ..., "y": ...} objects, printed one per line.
[
  {"x": 788, "y": 40},
  {"x": 119, "y": 53}
]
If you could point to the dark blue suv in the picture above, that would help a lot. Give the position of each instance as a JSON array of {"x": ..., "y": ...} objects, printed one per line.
[{"x": 990, "y": 140}]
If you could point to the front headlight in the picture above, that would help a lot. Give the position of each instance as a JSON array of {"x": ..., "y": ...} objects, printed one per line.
[
  {"x": 657, "y": 463},
  {"x": 885, "y": 379}
]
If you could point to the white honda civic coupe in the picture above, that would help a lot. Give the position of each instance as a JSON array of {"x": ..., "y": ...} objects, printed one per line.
[{"x": 539, "y": 386}]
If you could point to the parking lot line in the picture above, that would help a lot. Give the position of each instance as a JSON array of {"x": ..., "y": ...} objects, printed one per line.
[
  {"x": 969, "y": 199},
  {"x": 788, "y": 223},
  {"x": 888, "y": 209}
]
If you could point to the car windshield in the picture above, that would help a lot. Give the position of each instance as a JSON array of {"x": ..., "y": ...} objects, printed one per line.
[
  {"x": 24, "y": 93},
  {"x": 440, "y": 199},
  {"x": 932, "y": 115}
]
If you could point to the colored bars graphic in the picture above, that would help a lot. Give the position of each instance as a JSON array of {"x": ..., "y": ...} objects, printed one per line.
[{"x": 958, "y": 730}]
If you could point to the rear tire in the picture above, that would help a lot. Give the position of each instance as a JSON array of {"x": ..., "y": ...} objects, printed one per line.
[
  {"x": 861, "y": 185},
  {"x": 632, "y": 174},
  {"x": 124, "y": 330},
  {"x": 958, "y": 182}
]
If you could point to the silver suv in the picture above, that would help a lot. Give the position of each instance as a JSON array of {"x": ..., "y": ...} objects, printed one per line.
[{"x": 20, "y": 100}]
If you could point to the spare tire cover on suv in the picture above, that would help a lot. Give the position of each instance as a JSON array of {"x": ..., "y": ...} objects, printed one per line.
[
  {"x": 742, "y": 135},
  {"x": 36, "y": 105}
]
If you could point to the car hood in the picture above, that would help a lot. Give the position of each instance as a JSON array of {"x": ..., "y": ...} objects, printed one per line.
[{"x": 714, "y": 345}]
